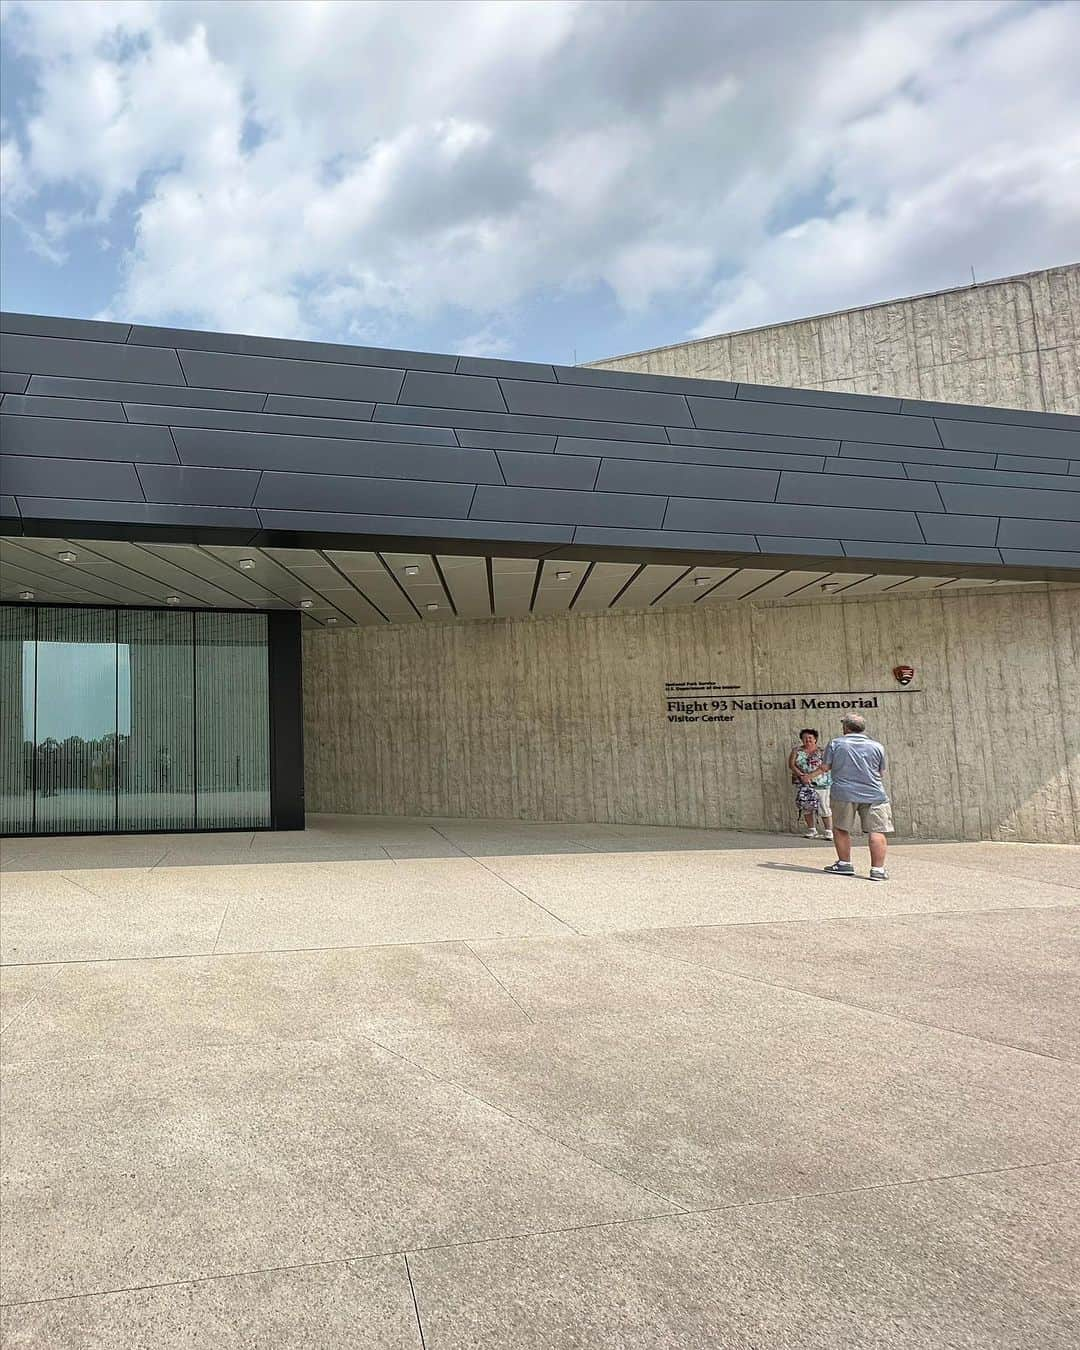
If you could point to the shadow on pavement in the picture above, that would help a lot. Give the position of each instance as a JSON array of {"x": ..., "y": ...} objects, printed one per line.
[{"x": 812, "y": 871}]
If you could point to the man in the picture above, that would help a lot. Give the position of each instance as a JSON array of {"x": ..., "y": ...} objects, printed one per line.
[{"x": 857, "y": 764}]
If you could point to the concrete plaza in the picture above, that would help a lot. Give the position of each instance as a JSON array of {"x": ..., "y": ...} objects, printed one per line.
[{"x": 448, "y": 1084}]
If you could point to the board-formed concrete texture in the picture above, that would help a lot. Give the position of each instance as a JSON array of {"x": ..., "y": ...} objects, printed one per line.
[
  {"x": 1013, "y": 342},
  {"x": 112, "y": 430},
  {"x": 576, "y": 717}
]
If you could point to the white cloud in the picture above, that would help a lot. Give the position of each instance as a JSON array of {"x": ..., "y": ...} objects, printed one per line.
[
  {"x": 109, "y": 115},
  {"x": 643, "y": 269},
  {"x": 14, "y": 186},
  {"x": 973, "y": 163},
  {"x": 487, "y": 342},
  {"x": 341, "y": 169}
]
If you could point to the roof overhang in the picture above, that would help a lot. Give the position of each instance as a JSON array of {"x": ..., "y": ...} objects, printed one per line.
[
  {"x": 358, "y": 586},
  {"x": 121, "y": 435}
]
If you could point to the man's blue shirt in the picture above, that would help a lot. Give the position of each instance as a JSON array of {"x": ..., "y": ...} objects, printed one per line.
[{"x": 857, "y": 764}]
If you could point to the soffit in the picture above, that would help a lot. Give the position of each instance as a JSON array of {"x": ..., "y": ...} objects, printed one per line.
[{"x": 335, "y": 587}]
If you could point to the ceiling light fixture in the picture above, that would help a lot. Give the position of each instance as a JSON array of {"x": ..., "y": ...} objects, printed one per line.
[
  {"x": 829, "y": 585},
  {"x": 429, "y": 607},
  {"x": 246, "y": 564},
  {"x": 412, "y": 570},
  {"x": 702, "y": 581},
  {"x": 331, "y": 620},
  {"x": 67, "y": 557},
  {"x": 563, "y": 576},
  {"x": 172, "y": 599},
  {"x": 26, "y": 595},
  {"x": 306, "y": 604}
]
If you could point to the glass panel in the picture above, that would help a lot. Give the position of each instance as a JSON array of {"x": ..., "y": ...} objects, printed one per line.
[
  {"x": 232, "y": 733},
  {"x": 133, "y": 720},
  {"x": 78, "y": 676},
  {"x": 157, "y": 756},
  {"x": 17, "y": 723}
]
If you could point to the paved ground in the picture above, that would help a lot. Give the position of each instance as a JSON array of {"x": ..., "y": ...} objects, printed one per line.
[{"x": 481, "y": 1084}]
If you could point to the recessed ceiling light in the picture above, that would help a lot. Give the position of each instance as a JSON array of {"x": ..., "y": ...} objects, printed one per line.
[
  {"x": 67, "y": 557},
  {"x": 702, "y": 581},
  {"x": 172, "y": 599},
  {"x": 563, "y": 576},
  {"x": 306, "y": 604},
  {"x": 331, "y": 619},
  {"x": 412, "y": 570},
  {"x": 829, "y": 585},
  {"x": 246, "y": 564},
  {"x": 26, "y": 595},
  {"x": 431, "y": 606}
]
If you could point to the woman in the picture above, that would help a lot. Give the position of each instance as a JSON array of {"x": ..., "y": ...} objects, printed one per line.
[{"x": 812, "y": 783}]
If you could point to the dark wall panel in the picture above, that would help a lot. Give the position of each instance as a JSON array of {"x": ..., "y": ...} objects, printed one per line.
[
  {"x": 286, "y": 722},
  {"x": 168, "y": 433}
]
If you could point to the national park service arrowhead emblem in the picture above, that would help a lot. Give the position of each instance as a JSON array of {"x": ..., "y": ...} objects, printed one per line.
[{"x": 904, "y": 674}]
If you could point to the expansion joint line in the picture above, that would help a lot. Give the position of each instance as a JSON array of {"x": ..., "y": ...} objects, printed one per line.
[
  {"x": 415, "y": 1302},
  {"x": 839, "y": 1002},
  {"x": 221, "y": 928},
  {"x": 473, "y": 952},
  {"x": 702, "y": 1212},
  {"x": 677, "y": 1208},
  {"x": 524, "y": 894}
]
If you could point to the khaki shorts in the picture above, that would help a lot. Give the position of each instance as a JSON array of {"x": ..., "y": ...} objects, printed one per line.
[{"x": 874, "y": 817}]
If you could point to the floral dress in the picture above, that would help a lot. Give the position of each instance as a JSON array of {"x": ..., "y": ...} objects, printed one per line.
[{"x": 813, "y": 763}]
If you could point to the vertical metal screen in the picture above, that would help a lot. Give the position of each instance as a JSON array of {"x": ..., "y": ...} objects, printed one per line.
[
  {"x": 156, "y": 788},
  {"x": 232, "y": 735},
  {"x": 116, "y": 719},
  {"x": 17, "y": 677}
]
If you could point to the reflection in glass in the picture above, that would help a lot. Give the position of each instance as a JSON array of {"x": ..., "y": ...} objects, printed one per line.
[
  {"x": 132, "y": 720},
  {"x": 156, "y": 789},
  {"x": 76, "y": 727},
  {"x": 232, "y": 737},
  {"x": 17, "y": 721}
]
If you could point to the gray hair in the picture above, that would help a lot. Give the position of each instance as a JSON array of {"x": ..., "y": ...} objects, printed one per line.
[{"x": 853, "y": 722}]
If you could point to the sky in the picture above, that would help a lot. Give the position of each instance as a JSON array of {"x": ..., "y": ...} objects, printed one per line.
[{"x": 552, "y": 180}]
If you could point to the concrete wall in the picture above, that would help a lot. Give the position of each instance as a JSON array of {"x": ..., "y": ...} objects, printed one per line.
[
  {"x": 565, "y": 719},
  {"x": 1013, "y": 343}
]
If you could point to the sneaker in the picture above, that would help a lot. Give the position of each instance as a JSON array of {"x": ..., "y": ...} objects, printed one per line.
[
  {"x": 828, "y": 834},
  {"x": 811, "y": 834},
  {"x": 878, "y": 874},
  {"x": 841, "y": 869}
]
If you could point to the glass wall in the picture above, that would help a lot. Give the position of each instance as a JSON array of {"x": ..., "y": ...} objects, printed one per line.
[
  {"x": 117, "y": 719},
  {"x": 17, "y": 674},
  {"x": 232, "y": 740},
  {"x": 156, "y": 779},
  {"x": 75, "y": 720}
]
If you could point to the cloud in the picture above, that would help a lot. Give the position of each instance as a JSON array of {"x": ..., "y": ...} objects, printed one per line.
[
  {"x": 14, "y": 186},
  {"x": 974, "y": 163},
  {"x": 355, "y": 170},
  {"x": 487, "y": 342}
]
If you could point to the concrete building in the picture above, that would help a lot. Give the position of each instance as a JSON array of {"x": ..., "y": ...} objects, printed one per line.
[
  {"x": 523, "y": 590},
  {"x": 1010, "y": 343}
]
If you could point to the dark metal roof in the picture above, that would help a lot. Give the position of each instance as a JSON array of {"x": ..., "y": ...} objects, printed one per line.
[{"x": 111, "y": 430}]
